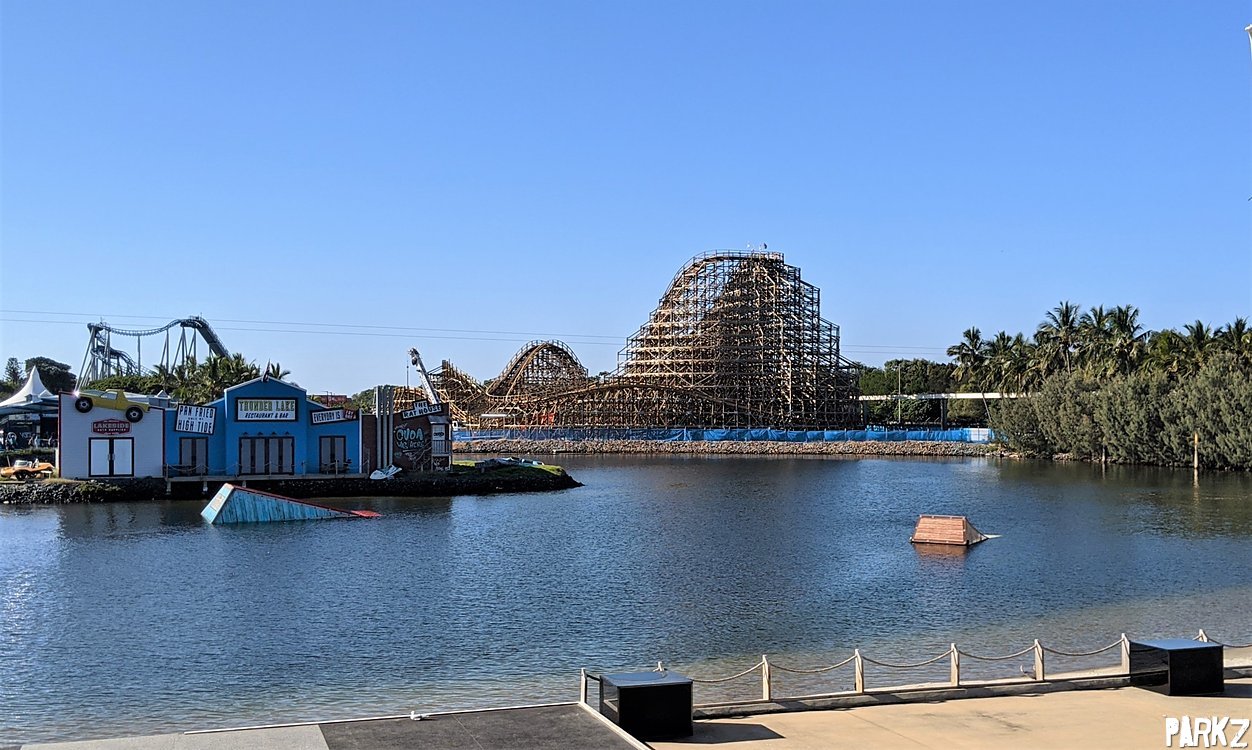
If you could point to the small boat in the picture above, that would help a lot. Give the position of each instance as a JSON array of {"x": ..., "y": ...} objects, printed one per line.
[
  {"x": 234, "y": 504},
  {"x": 954, "y": 530}
]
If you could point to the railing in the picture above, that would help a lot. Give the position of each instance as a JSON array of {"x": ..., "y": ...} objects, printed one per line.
[{"x": 1038, "y": 653}]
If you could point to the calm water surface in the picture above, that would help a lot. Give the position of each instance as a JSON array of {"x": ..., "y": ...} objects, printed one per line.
[{"x": 138, "y": 618}]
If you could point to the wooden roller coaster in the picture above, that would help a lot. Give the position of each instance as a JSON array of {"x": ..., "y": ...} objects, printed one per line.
[{"x": 736, "y": 341}]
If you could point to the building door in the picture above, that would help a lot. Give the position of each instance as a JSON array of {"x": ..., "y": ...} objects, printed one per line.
[
  {"x": 333, "y": 454},
  {"x": 193, "y": 455},
  {"x": 267, "y": 455},
  {"x": 111, "y": 457},
  {"x": 280, "y": 455}
]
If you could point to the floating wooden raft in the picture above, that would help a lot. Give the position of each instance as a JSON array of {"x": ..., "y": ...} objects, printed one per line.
[
  {"x": 234, "y": 504},
  {"x": 946, "y": 530}
]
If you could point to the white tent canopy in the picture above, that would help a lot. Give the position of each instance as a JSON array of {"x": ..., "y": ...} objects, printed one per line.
[
  {"x": 31, "y": 397},
  {"x": 32, "y": 390}
]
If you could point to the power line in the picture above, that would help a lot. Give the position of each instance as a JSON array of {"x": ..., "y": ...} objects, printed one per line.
[
  {"x": 327, "y": 332},
  {"x": 325, "y": 328},
  {"x": 307, "y": 325}
]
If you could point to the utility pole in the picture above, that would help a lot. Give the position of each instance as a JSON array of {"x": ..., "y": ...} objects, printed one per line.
[{"x": 899, "y": 394}]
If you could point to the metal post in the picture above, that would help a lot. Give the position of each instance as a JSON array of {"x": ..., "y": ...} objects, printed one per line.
[
  {"x": 767, "y": 692},
  {"x": 582, "y": 686},
  {"x": 858, "y": 666},
  {"x": 1125, "y": 653},
  {"x": 1040, "y": 675},
  {"x": 954, "y": 674}
]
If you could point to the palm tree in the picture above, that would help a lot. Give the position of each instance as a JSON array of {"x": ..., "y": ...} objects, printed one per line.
[
  {"x": 276, "y": 371},
  {"x": 1236, "y": 338},
  {"x": 1059, "y": 333},
  {"x": 970, "y": 357},
  {"x": 1167, "y": 352},
  {"x": 1093, "y": 338},
  {"x": 1126, "y": 339},
  {"x": 1022, "y": 370},
  {"x": 1198, "y": 344},
  {"x": 999, "y": 354}
]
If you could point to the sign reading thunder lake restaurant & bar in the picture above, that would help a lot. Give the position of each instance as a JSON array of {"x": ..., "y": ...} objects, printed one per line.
[
  {"x": 265, "y": 409},
  {"x": 197, "y": 419}
]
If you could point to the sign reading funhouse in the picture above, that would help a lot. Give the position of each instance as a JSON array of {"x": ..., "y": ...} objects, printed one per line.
[{"x": 265, "y": 409}]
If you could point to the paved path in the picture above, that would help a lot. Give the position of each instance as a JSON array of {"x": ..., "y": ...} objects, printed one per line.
[
  {"x": 1105, "y": 719},
  {"x": 563, "y": 727}
]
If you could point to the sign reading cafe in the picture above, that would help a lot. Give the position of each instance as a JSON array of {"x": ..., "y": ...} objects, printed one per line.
[
  {"x": 197, "y": 419},
  {"x": 265, "y": 409}
]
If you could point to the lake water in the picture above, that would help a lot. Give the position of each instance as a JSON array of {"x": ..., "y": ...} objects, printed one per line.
[{"x": 139, "y": 618}]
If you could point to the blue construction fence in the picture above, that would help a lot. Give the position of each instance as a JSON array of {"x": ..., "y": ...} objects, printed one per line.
[{"x": 959, "y": 435}]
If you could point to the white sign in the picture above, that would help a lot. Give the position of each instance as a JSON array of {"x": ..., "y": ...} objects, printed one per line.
[
  {"x": 198, "y": 419},
  {"x": 421, "y": 410},
  {"x": 265, "y": 409},
  {"x": 1206, "y": 731},
  {"x": 327, "y": 416}
]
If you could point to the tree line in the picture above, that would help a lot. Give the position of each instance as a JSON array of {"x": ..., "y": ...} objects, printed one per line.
[
  {"x": 194, "y": 382},
  {"x": 1096, "y": 385}
]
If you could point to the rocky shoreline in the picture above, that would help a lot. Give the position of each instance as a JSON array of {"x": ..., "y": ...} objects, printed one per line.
[
  {"x": 462, "y": 482},
  {"x": 730, "y": 447}
]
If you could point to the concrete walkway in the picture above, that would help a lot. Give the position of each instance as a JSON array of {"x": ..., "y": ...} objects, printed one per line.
[
  {"x": 1105, "y": 719},
  {"x": 1108, "y": 719},
  {"x": 560, "y": 727}
]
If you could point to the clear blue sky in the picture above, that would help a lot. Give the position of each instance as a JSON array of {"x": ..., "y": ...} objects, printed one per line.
[{"x": 542, "y": 169}]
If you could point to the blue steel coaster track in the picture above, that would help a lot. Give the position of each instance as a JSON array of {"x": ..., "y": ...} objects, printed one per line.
[{"x": 102, "y": 359}]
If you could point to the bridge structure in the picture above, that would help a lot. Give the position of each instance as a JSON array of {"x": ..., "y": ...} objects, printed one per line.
[
  {"x": 736, "y": 340},
  {"x": 109, "y": 349}
]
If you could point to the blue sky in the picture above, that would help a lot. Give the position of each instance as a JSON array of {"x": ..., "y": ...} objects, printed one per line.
[{"x": 511, "y": 171}]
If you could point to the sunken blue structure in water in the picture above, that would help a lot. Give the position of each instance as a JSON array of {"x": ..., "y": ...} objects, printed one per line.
[{"x": 234, "y": 504}]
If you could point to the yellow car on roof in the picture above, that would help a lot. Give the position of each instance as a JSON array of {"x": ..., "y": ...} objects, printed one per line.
[{"x": 112, "y": 399}]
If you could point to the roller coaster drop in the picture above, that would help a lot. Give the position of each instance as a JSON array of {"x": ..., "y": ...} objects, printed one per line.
[
  {"x": 102, "y": 360},
  {"x": 736, "y": 341}
]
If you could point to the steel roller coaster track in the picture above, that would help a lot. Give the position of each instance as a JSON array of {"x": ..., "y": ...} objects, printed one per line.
[{"x": 102, "y": 359}]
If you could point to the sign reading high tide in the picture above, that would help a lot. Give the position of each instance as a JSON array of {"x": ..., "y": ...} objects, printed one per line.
[
  {"x": 197, "y": 419},
  {"x": 265, "y": 409}
]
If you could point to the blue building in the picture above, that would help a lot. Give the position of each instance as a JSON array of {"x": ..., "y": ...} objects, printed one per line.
[{"x": 260, "y": 428}]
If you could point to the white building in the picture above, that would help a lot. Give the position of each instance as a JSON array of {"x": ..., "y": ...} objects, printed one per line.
[{"x": 111, "y": 435}]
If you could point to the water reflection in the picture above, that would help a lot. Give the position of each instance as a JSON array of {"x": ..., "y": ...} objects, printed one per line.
[{"x": 454, "y": 602}]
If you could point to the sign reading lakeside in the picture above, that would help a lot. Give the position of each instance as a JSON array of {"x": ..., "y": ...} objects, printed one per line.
[
  {"x": 327, "y": 416},
  {"x": 110, "y": 427},
  {"x": 265, "y": 409},
  {"x": 197, "y": 419}
]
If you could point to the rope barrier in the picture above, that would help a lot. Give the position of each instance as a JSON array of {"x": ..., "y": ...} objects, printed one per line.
[
  {"x": 766, "y": 665},
  {"x": 1112, "y": 645},
  {"x": 1230, "y": 645},
  {"x": 747, "y": 671},
  {"x": 1019, "y": 654},
  {"x": 845, "y": 662},
  {"x": 940, "y": 657}
]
